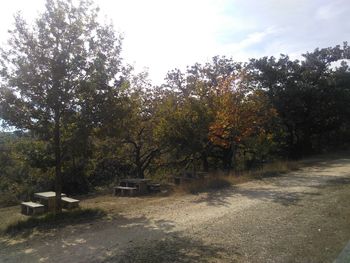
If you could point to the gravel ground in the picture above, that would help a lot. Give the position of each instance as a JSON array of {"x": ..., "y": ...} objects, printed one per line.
[{"x": 303, "y": 216}]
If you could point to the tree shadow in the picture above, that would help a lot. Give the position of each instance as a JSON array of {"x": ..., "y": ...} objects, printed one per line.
[
  {"x": 282, "y": 190},
  {"x": 344, "y": 180},
  {"x": 173, "y": 248},
  {"x": 217, "y": 197},
  {"x": 327, "y": 162},
  {"x": 221, "y": 198},
  {"x": 119, "y": 240}
]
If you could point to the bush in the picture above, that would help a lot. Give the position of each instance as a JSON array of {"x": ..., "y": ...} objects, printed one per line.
[
  {"x": 75, "y": 182},
  {"x": 108, "y": 170},
  {"x": 8, "y": 199}
]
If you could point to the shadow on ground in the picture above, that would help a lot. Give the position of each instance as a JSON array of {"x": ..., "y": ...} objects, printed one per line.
[
  {"x": 172, "y": 249},
  {"x": 118, "y": 240},
  {"x": 262, "y": 194},
  {"x": 287, "y": 190}
]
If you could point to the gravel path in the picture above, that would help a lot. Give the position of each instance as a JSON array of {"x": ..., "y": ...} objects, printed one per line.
[{"x": 303, "y": 216}]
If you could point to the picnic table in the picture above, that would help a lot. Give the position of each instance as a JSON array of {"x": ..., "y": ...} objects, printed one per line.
[
  {"x": 48, "y": 199},
  {"x": 138, "y": 183}
]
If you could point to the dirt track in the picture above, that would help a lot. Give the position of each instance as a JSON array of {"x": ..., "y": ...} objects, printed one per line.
[{"x": 303, "y": 216}]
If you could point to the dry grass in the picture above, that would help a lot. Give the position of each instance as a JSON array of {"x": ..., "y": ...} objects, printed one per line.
[
  {"x": 272, "y": 169},
  {"x": 201, "y": 185},
  {"x": 10, "y": 215},
  {"x": 220, "y": 180},
  {"x": 51, "y": 220},
  {"x": 12, "y": 221}
]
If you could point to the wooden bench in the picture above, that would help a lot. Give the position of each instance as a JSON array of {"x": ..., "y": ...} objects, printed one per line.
[
  {"x": 69, "y": 203},
  {"x": 153, "y": 187},
  {"x": 122, "y": 190},
  {"x": 31, "y": 208}
]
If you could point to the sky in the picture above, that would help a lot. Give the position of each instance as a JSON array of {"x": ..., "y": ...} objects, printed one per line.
[{"x": 160, "y": 35}]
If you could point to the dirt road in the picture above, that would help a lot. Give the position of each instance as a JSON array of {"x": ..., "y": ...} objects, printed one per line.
[{"x": 303, "y": 216}]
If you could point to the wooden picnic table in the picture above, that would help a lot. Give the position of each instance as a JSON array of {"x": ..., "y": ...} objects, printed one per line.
[
  {"x": 48, "y": 199},
  {"x": 139, "y": 183}
]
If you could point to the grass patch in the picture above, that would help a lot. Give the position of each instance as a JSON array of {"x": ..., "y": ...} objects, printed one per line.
[
  {"x": 274, "y": 169},
  {"x": 220, "y": 180},
  {"x": 205, "y": 184},
  {"x": 51, "y": 220}
]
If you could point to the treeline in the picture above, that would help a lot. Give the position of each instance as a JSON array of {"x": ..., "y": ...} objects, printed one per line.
[{"x": 86, "y": 119}]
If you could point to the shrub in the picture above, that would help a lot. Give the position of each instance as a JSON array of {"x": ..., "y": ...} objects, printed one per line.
[{"x": 108, "y": 170}]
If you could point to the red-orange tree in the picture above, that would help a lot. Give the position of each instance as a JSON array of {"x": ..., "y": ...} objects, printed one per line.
[{"x": 240, "y": 116}]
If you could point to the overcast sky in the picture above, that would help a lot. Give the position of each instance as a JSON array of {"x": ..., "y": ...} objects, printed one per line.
[{"x": 161, "y": 35}]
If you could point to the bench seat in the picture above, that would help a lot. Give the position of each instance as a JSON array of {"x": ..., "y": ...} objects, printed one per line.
[
  {"x": 69, "y": 203},
  {"x": 125, "y": 188},
  {"x": 31, "y": 208}
]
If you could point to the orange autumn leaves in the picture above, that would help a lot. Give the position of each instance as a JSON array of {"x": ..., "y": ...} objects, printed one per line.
[{"x": 240, "y": 114}]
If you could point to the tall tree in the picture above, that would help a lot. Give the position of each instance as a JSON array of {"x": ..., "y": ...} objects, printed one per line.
[
  {"x": 306, "y": 95},
  {"x": 184, "y": 127},
  {"x": 240, "y": 115},
  {"x": 58, "y": 72},
  {"x": 138, "y": 137}
]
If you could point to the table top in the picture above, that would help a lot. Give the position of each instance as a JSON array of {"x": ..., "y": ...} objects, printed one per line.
[{"x": 46, "y": 195}]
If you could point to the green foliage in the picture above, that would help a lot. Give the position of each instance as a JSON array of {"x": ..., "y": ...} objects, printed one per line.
[
  {"x": 110, "y": 170},
  {"x": 87, "y": 119},
  {"x": 310, "y": 96},
  {"x": 58, "y": 77},
  {"x": 21, "y": 172},
  {"x": 185, "y": 129}
]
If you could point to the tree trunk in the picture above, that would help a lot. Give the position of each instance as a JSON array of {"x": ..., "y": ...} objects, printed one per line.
[
  {"x": 139, "y": 171},
  {"x": 138, "y": 162},
  {"x": 205, "y": 162},
  {"x": 58, "y": 164},
  {"x": 227, "y": 158}
]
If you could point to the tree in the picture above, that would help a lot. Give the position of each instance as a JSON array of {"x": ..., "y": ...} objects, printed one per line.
[
  {"x": 58, "y": 73},
  {"x": 184, "y": 128},
  {"x": 240, "y": 116},
  {"x": 189, "y": 109},
  {"x": 306, "y": 94},
  {"x": 127, "y": 125},
  {"x": 138, "y": 137}
]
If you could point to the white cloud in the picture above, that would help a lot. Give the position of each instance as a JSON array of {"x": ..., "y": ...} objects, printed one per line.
[
  {"x": 256, "y": 38},
  {"x": 329, "y": 11}
]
